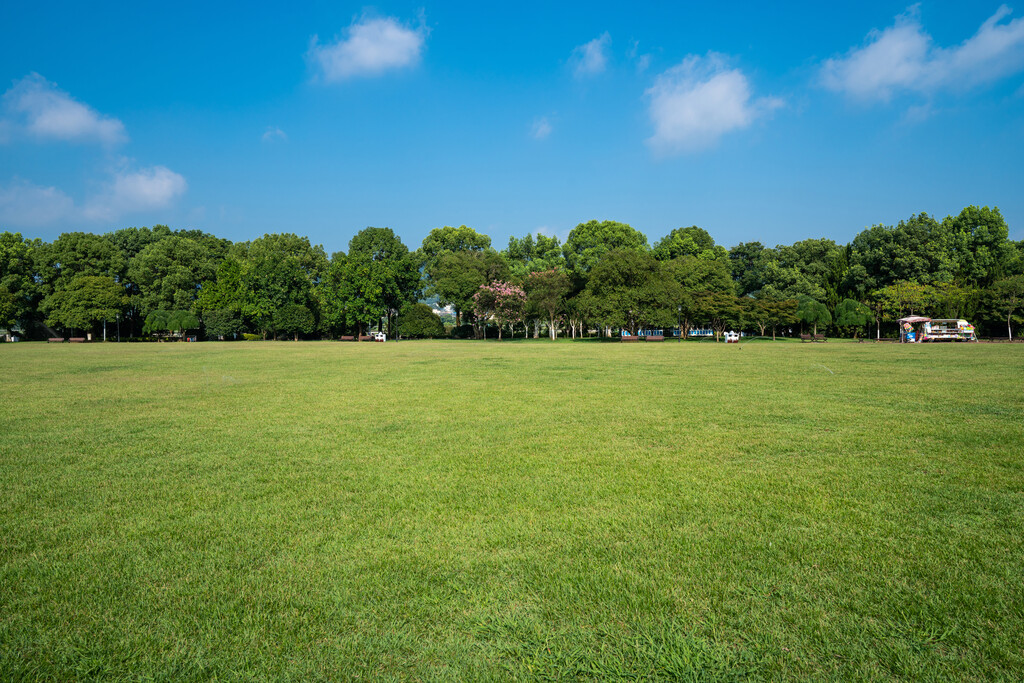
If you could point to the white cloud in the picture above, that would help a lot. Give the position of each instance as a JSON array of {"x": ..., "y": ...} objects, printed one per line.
[
  {"x": 903, "y": 58},
  {"x": 642, "y": 60},
  {"x": 697, "y": 101},
  {"x": 146, "y": 189},
  {"x": 273, "y": 133},
  {"x": 25, "y": 204},
  {"x": 45, "y": 111},
  {"x": 371, "y": 47},
  {"x": 590, "y": 58},
  {"x": 541, "y": 128}
]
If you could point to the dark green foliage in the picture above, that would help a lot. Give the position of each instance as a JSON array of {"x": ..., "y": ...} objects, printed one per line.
[
  {"x": 527, "y": 255},
  {"x": 171, "y": 322},
  {"x": 545, "y": 294},
  {"x": 221, "y": 323},
  {"x": 419, "y": 321},
  {"x": 171, "y": 272},
  {"x": 589, "y": 242},
  {"x": 852, "y": 314},
  {"x": 946, "y": 268},
  {"x": 812, "y": 313},
  {"x": 380, "y": 277},
  {"x": 457, "y": 276},
  {"x": 691, "y": 241},
  {"x": 294, "y": 319},
  {"x": 19, "y": 293},
  {"x": 83, "y": 301},
  {"x": 632, "y": 289}
]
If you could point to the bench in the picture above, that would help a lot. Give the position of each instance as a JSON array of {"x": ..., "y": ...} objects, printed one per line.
[
  {"x": 655, "y": 337},
  {"x": 806, "y": 338},
  {"x": 365, "y": 338},
  {"x": 820, "y": 338},
  {"x": 57, "y": 340},
  {"x": 629, "y": 338},
  {"x": 77, "y": 340},
  {"x": 347, "y": 337}
]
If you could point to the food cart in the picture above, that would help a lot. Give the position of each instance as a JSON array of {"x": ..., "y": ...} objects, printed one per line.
[
  {"x": 916, "y": 328},
  {"x": 949, "y": 329}
]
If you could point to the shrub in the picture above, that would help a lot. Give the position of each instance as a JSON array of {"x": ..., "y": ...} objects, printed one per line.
[
  {"x": 247, "y": 336},
  {"x": 221, "y": 322},
  {"x": 463, "y": 332},
  {"x": 419, "y": 321}
]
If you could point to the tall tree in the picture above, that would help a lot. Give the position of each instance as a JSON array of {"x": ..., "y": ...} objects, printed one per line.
[
  {"x": 546, "y": 291},
  {"x": 171, "y": 272},
  {"x": 813, "y": 313},
  {"x": 1009, "y": 294},
  {"x": 527, "y": 255},
  {"x": 19, "y": 293},
  {"x": 84, "y": 301},
  {"x": 852, "y": 314},
  {"x": 588, "y": 243},
  {"x": 718, "y": 309},
  {"x": 502, "y": 302},
  {"x": 457, "y": 276},
  {"x": 383, "y": 276},
  {"x": 631, "y": 288},
  {"x": 691, "y": 241}
]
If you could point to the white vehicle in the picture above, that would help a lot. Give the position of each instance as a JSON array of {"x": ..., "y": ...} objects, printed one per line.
[
  {"x": 380, "y": 336},
  {"x": 732, "y": 337}
]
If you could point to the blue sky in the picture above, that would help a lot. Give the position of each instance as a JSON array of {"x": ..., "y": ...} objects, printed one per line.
[{"x": 756, "y": 123}]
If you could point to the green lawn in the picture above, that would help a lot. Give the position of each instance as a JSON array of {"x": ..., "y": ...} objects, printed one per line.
[{"x": 483, "y": 510}]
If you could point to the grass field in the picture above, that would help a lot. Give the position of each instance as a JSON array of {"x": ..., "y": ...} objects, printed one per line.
[{"x": 481, "y": 510}]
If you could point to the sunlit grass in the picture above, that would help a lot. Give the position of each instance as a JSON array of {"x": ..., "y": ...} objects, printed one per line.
[{"x": 490, "y": 510}]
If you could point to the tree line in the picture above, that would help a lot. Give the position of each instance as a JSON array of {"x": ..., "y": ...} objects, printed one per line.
[{"x": 606, "y": 277}]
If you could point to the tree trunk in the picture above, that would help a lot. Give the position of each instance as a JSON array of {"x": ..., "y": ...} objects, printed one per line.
[
  {"x": 552, "y": 331},
  {"x": 296, "y": 336}
]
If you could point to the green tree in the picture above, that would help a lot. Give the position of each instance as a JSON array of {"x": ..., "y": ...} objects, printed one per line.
[
  {"x": 264, "y": 275},
  {"x": 546, "y": 291},
  {"x": 457, "y": 276},
  {"x": 527, "y": 255},
  {"x": 449, "y": 240},
  {"x": 19, "y": 294},
  {"x": 84, "y": 301},
  {"x": 588, "y": 243},
  {"x": 418, "y": 321},
  {"x": 718, "y": 309},
  {"x": 1008, "y": 294},
  {"x": 852, "y": 314},
  {"x": 77, "y": 253},
  {"x": 745, "y": 262},
  {"x": 977, "y": 245},
  {"x": 172, "y": 322},
  {"x": 171, "y": 272},
  {"x": 382, "y": 276},
  {"x": 294, "y": 319},
  {"x": 333, "y": 297},
  {"x": 767, "y": 314},
  {"x": 695, "y": 274},
  {"x": 811, "y": 312},
  {"x": 631, "y": 289},
  {"x": 221, "y": 323},
  {"x": 691, "y": 241}
]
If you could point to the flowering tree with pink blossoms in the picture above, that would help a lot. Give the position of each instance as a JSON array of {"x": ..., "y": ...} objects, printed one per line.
[{"x": 502, "y": 302}]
